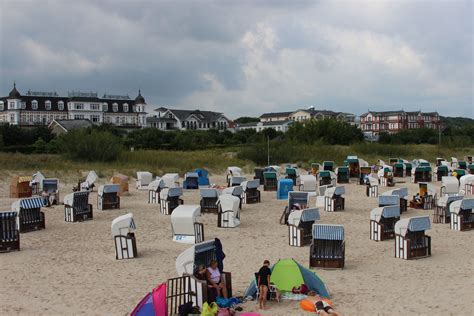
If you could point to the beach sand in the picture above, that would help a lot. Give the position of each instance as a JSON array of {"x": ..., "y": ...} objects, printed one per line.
[{"x": 70, "y": 268}]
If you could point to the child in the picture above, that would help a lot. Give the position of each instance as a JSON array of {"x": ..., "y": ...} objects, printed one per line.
[
  {"x": 263, "y": 282},
  {"x": 321, "y": 305}
]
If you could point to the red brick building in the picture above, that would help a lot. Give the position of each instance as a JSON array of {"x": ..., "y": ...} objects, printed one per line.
[{"x": 394, "y": 121}]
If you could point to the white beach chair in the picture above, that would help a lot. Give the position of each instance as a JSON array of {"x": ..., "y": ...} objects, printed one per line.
[
  {"x": 461, "y": 214},
  {"x": 107, "y": 197},
  {"x": 449, "y": 186},
  {"x": 372, "y": 187},
  {"x": 232, "y": 172},
  {"x": 170, "y": 199},
  {"x": 123, "y": 228},
  {"x": 171, "y": 180},
  {"x": 411, "y": 242},
  {"x": 466, "y": 184},
  {"x": 88, "y": 184},
  {"x": 209, "y": 197},
  {"x": 308, "y": 183},
  {"x": 77, "y": 207},
  {"x": 300, "y": 224},
  {"x": 382, "y": 222},
  {"x": 251, "y": 194},
  {"x": 236, "y": 191},
  {"x": 185, "y": 225},
  {"x": 228, "y": 215},
  {"x": 334, "y": 199},
  {"x": 143, "y": 180},
  {"x": 154, "y": 189},
  {"x": 441, "y": 212},
  {"x": 402, "y": 193}
]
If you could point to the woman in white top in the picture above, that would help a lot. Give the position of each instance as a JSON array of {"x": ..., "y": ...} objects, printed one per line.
[{"x": 215, "y": 280}]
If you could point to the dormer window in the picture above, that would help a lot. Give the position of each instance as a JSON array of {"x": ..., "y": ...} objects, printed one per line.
[
  {"x": 134, "y": 108},
  {"x": 125, "y": 107},
  {"x": 23, "y": 105},
  {"x": 60, "y": 105},
  {"x": 47, "y": 105},
  {"x": 115, "y": 107},
  {"x": 105, "y": 107},
  {"x": 34, "y": 105}
]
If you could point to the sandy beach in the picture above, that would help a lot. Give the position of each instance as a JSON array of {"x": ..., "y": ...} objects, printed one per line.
[{"x": 70, "y": 268}]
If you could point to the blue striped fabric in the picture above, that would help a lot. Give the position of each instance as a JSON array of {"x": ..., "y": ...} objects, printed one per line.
[
  {"x": 389, "y": 200},
  {"x": 310, "y": 214},
  {"x": 32, "y": 203},
  {"x": 328, "y": 232},
  {"x": 420, "y": 223},
  {"x": 391, "y": 211},
  {"x": 467, "y": 204}
]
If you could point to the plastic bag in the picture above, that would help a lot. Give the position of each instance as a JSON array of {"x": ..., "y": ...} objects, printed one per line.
[{"x": 209, "y": 309}]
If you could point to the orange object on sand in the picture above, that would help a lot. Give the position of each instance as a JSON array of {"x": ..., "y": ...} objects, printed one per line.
[{"x": 308, "y": 305}]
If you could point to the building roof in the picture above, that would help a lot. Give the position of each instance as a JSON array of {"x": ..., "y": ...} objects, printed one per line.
[
  {"x": 202, "y": 116},
  {"x": 398, "y": 113},
  {"x": 68, "y": 125},
  {"x": 275, "y": 114},
  {"x": 140, "y": 99},
  {"x": 14, "y": 93},
  {"x": 270, "y": 123}
]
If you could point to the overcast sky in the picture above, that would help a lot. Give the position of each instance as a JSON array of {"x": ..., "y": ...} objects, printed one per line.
[{"x": 244, "y": 58}]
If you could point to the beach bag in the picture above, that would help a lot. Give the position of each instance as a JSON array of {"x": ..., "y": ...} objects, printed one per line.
[
  {"x": 227, "y": 302},
  {"x": 186, "y": 309},
  {"x": 209, "y": 309}
]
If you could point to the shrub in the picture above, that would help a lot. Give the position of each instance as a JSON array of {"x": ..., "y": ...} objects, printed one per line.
[{"x": 89, "y": 145}]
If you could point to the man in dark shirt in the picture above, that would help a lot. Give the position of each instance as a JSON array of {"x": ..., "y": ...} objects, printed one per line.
[{"x": 263, "y": 282}]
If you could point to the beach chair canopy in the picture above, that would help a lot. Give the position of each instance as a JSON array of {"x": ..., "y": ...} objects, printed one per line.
[
  {"x": 190, "y": 175},
  {"x": 237, "y": 180},
  {"x": 287, "y": 274},
  {"x": 156, "y": 185},
  {"x": 145, "y": 177},
  {"x": 295, "y": 197},
  {"x": 362, "y": 163},
  {"x": 201, "y": 253},
  {"x": 305, "y": 215},
  {"x": 291, "y": 171},
  {"x": 324, "y": 174},
  {"x": 171, "y": 192},
  {"x": 208, "y": 193},
  {"x": 365, "y": 170},
  {"x": 339, "y": 190},
  {"x": 170, "y": 179},
  {"x": 426, "y": 187},
  {"x": 464, "y": 204},
  {"x": 400, "y": 192},
  {"x": 202, "y": 173},
  {"x": 389, "y": 200},
  {"x": 328, "y": 232},
  {"x": 50, "y": 185},
  {"x": 342, "y": 170},
  {"x": 442, "y": 169},
  {"x": 38, "y": 177},
  {"x": 229, "y": 202},
  {"x": 328, "y": 164},
  {"x": 322, "y": 189},
  {"x": 463, "y": 181},
  {"x": 460, "y": 172},
  {"x": 123, "y": 225},
  {"x": 71, "y": 198},
  {"x": 412, "y": 224},
  {"x": 352, "y": 159},
  {"x": 373, "y": 181},
  {"x": 236, "y": 191},
  {"x": 275, "y": 168},
  {"x": 251, "y": 184},
  {"x": 183, "y": 219},
  {"x": 269, "y": 175},
  {"x": 450, "y": 184},
  {"x": 444, "y": 201},
  {"x": 235, "y": 171},
  {"x": 108, "y": 188},
  {"x": 389, "y": 211},
  {"x": 27, "y": 203},
  {"x": 91, "y": 177}
]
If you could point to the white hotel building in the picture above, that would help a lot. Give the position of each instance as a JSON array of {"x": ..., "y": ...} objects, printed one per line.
[{"x": 41, "y": 108}]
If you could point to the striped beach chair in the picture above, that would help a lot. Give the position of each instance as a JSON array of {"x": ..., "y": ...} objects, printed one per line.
[
  {"x": 251, "y": 194},
  {"x": 296, "y": 201},
  {"x": 123, "y": 228},
  {"x": 300, "y": 225},
  {"x": 411, "y": 242},
  {"x": 30, "y": 217},
  {"x": 9, "y": 232},
  {"x": 77, "y": 207},
  {"x": 441, "y": 213},
  {"x": 382, "y": 222},
  {"x": 461, "y": 214},
  {"x": 270, "y": 181},
  {"x": 372, "y": 189},
  {"x": 334, "y": 200},
  {"x": 328, "y": 247},
  {"x": 402, "y": 194},
  {"x": 108, "y": 197},
  {"x": 154, "y": 189}
]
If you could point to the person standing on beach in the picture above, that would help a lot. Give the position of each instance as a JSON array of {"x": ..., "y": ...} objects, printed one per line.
[{"x": 263, "y": 283}]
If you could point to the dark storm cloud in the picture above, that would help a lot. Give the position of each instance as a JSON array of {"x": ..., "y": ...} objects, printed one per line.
[{"x": 246, "y": 57}]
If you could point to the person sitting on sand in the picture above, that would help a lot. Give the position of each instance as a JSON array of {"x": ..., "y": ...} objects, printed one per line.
[
  {"x": 45, "y": 196},
  {"x": 263, "y": 283},
  {"x": 214, "y": 277},
  {"x": 321, "y": 305}
]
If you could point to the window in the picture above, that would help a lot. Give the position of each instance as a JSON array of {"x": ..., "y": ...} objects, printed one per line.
[
  {"x": 47, "y": 105},
  {"x": 134, "y": 108},
  {"x": 78, "y": 117},
  {"x": 115, "y": 107},
  {"x": 105, "y": 107},
  {"x": 95, "y": 106},
  {"x": 60, "y": 105},
  {"x": 34, "y": 105},
  {"x": 1, "y": 106},
  {"x": 79, "y": 106},
  {"x": 95, "y": 118},
  {"x": 117, "y": 120},
  {"x": 125, "y": 107}
]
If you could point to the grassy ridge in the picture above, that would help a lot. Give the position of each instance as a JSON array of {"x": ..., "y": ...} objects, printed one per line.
[{"x": 216, "y": 160}]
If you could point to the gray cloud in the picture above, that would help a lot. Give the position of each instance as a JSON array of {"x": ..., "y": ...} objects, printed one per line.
[{"x": 246, "y": 57}]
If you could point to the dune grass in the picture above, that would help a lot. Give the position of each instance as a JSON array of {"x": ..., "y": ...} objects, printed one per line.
[{"x": 217, "y": 160}]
